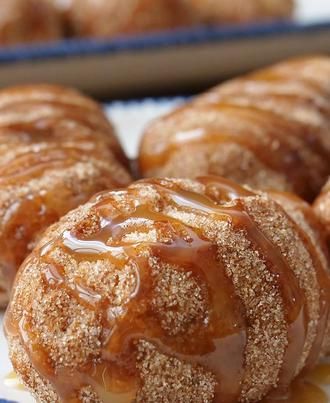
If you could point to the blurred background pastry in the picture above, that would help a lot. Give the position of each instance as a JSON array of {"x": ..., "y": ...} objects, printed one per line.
[
  {"x": 26, "y": 21},
  {"x": 226, "y": 11},
  {"x": 102, "y": 18},
  {"x": 113, "y": 17},
  {"x": 57, "y": 149}
]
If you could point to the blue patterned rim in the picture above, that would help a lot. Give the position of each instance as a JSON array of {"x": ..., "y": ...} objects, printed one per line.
[
  {"x": 146, "y": 100},
  {"x": 178, "y": 37}
]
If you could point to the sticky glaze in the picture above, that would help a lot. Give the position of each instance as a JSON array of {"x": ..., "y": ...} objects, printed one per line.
[
  {"x": 57, "y": 150},
  {"x": 219, "y": 342}
]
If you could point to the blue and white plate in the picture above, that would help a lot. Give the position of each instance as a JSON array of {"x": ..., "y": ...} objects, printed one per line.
[{"x": 171, "y": 60}]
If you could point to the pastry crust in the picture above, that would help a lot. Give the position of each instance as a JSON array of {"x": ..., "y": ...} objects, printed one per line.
[
  {"x": 57, "y": 149},
  {"x": 172, "y": 290},
  {"x": 25, "y": 21},
  {"x": 322, "y": 207},
  {"x": 269, "y": 129}
]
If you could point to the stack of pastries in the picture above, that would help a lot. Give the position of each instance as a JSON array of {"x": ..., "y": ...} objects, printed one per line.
[
  {"x": 28, "y": 21},
  {"x": 110, "y": 17},
  {"x": 35, "y": 20},
  {"x": 176, "y": 289},
  {"x": 57, "y": 149}
]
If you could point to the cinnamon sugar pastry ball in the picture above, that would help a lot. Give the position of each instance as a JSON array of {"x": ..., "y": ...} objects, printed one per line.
[
  {"x": 322, "y": 207},
  {"x": 172, "y": 291},
  {"x": 28, "y": 21},
  {"x": 269, "y": 129},
  {"x": 57, "y": 149}
]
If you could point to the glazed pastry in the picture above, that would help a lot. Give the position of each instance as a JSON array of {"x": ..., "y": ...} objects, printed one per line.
[
  {"x": 270, "y": 130},
  {"x": 57, "y": 149},
  {"x": 110, "y": 17},
  {"x": 172, "y": 291},
  {"x": 28, "y": 21},
  {"x": 322, "y": 207}
]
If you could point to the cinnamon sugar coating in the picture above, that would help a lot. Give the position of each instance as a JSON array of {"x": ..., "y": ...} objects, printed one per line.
[
  {"x": 322, "y": 207},
  {"x": 269, "y": 130},
  {"x": 202, "y": 291},
  {"x": 25, "y": 21},
  {"x": 57, "y": 149}
]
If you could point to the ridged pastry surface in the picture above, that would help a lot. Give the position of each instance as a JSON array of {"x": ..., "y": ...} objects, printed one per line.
[
  {"x": 24, "y": 21},
  {"x": 172, "y": 290},
  {"x": 322, "y": 207},
  {"x": 57, "y": 149},
  {"x": 269, "y": 129}
]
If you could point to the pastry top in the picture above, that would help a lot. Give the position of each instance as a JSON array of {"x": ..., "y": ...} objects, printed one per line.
[
  {"x": 57, "y": 149},
  {"x": 28, "y": 21},
  {"x": 269, "y": 129},
  {"x": 171, "y": 290}
]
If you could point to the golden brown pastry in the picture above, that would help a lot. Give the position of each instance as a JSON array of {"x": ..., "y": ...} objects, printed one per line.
[
  {"x": 322, "y": 207},
  {"x": 269, "y": 129},
  {"x": 24, "y": 21},
  {"x": 172, "y": 291},
  {"x": 110, "y": 17},
  {"x": 56, "y": 150}
]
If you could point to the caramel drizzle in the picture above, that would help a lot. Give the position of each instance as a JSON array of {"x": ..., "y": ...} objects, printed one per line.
[
  {"x": 190, "y": 252},
  {"x": 33, "y": 165},
  {"x": 255, "y": 86},
  {"x": 201, "y": 135},
  {"x": 307, "y": 388},
  {"x": 293, "y": 298},
  {"x": 322, "y": 272},
  {"x": 64, "y": 133},
  {"x": 88, "y": 117},
  {"x": 281, "y": 134},
  {"x": 254, "y": 119},
  {"x": 289, "y": 73},
  {"x": 186, "y": 253},
  {"x": 254, "y": 91}
]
